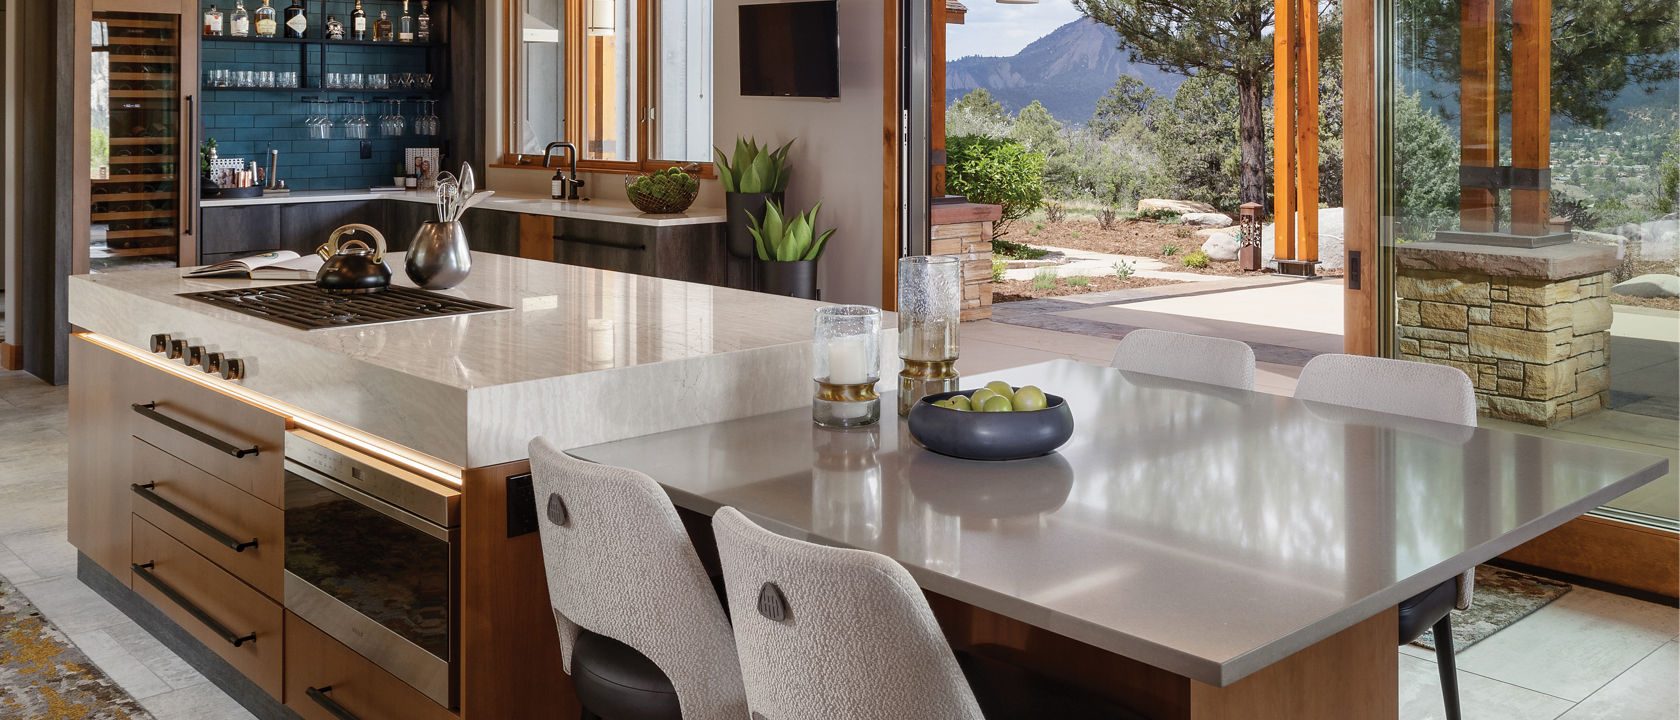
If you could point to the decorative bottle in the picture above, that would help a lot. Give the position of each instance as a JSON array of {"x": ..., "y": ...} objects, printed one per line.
[
  {"x": 213, "y": 22},
  {"x": 424, "y": 31},
  {"x": 405, "y": 25},
  {"x": 335, "y": 29},
  {"x": 267, "y": 22},
  {"x": 241, "y": 25},
  {"x": 358, "y": 23},
  {"x": 297, "y": 25},
  {"x": 382, "y": 29}
]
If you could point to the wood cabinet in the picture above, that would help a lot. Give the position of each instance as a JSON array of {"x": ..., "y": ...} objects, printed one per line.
[
  {"x": 691, "y": 253},
  {"x": 326, "y": 680},
  {"x": 217, "y": 520},
  {"x": 239, "y": 231}
]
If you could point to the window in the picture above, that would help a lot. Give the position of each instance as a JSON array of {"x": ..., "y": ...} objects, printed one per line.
[{"x": 627, "y": 81}]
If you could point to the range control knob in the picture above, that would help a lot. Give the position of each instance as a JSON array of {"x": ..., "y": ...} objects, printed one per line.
[
  {"x": 177, "y": 349},
  {"x": 233, "y": 369},
  {"x": 160, "y": 342},
  {"x": 214, "y": 362},
  {"x": 195, "y": 355}
]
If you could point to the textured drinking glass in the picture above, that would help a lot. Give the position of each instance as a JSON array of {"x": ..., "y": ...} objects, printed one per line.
[
  {"x": 846, "y": 363},
  {"x": 930, "y": 289}
]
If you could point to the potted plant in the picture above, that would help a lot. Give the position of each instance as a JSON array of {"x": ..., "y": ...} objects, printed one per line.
[
  {"x": 752, "y": 177},
  {"x": 787, "y": 250}
]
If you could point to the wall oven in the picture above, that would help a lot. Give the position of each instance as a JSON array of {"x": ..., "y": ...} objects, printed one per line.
[{"x": 372, "y": 559}]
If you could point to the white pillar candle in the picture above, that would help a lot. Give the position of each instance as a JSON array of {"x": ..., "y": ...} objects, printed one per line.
[{"x": 848, "y": 361}]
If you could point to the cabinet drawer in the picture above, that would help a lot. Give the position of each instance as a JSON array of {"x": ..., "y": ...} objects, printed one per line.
[
  {"x": 340, "y": 677},
  {"x": 230, "y": 618},
  {"x": 221, "y": 522},
  {"x": 213, "y": 432}
]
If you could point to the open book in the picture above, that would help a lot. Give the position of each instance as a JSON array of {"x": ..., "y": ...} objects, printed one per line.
[{"x": 281, "y": 265}]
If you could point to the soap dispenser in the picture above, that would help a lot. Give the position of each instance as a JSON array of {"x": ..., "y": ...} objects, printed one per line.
[{"x": 557, "y": 186}]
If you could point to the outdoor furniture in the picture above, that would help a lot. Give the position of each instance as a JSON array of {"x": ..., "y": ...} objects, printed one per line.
[
  {"x": 1422, "y": 390},
  {"x": 642, "y": 631},
  {"x": 1215, "y": 553},
  {"x": 1198, "y": 358}
]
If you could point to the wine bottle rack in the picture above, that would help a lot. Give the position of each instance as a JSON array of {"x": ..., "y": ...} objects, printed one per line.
[{"x": 136, "y": 191}]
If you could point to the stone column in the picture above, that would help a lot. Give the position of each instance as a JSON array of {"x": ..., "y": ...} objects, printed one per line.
[
  {"x": 965, "y": 230},
  {"x": 1531, "y": 327}
]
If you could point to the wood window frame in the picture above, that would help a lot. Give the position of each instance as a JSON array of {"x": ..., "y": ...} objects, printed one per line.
[{"x": 576, "y": 80}]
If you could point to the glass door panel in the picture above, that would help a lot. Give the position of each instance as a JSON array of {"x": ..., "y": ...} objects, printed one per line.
[{"x": 136, "y": 119}]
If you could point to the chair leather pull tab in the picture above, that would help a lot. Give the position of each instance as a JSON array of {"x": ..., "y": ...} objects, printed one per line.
[
  {"x": 771, "y": 603},
  {"x": 557, "y": 510}
]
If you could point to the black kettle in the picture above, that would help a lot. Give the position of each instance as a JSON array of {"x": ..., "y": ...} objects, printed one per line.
[{"x": 353, "y": 268}]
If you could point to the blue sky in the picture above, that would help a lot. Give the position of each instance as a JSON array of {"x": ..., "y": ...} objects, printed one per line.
[{"x": 1002, "y": 30}]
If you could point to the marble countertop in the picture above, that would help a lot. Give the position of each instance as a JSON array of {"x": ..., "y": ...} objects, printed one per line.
[
  {"x": 616, "y": 211},
  {"x": 1206, "y": 531},
  {"x": 582, "y": 354}
]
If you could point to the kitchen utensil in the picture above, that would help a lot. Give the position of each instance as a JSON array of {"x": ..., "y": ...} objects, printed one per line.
[
  {"x": 438, "y": 257},
  {"x": 353, "y": 268},
  {"x": 990, "y": 435}
]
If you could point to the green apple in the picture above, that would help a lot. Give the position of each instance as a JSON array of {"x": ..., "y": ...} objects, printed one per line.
[
  {"x": 960, "y": 402},
  {"x": 997, "y": 403},
  {"x": 1029, "y": 398},
  {"x": 977, "y": 401},
  {"x": 1000, "y": 387}
]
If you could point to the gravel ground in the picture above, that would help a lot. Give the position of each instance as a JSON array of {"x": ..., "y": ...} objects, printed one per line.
[
  {"x": 1144, "y": 238},
  {"x": 1012, "y": 290}
]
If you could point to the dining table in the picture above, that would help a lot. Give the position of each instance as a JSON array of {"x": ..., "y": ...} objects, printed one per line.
[{"x": 1192, "y": 551}]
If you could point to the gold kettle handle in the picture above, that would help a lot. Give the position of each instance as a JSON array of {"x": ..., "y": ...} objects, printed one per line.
[{"x": 331, "y": 248}]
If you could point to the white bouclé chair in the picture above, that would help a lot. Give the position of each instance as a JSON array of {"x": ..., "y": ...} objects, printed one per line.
[
  {"x": 1419, "y": 390},
  {"x": 642, "y": 630},
  {"x": 1197, "y": 358}
]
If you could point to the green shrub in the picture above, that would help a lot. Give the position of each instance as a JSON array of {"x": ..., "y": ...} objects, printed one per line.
[
  {"x": 1123, "y": 269},
  {"x": 1182, "y": 232},
  {"x": 1079, "y": 281},
  {"x": 1054, "y": 212},
  {"x": 1044, "y": 279},
  {"x": 998, "y": 269},
  {"x": 1106, "y": 217},
  {"x": 1074, "y": 234},
  {"x": 1169, "y": 250},
  {"x": 1161, "y": 216},
  {"x": 1196, "y": 259},
  {"x": 1016, "y": 251},
  {"x": 1038, "y": 226},
  {"x": 998, "y": 172}
]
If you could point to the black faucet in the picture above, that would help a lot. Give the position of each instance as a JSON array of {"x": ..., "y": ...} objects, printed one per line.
[{"x": 572, "y": 182}]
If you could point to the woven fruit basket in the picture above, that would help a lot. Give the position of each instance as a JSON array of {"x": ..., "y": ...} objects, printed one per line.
[{"x": 668, "y": 191}]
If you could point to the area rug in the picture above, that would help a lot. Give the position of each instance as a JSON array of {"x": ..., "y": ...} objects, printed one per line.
[
  {"x": 1502, "y": 597},
  {"x": 43, "y": 676}
]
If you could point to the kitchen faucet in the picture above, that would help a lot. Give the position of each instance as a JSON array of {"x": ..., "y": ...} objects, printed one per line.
[{"x": 572, "y": 182}]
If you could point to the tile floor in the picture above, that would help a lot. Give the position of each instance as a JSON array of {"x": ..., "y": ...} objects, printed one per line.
[{"x": 1588, "y": 656}]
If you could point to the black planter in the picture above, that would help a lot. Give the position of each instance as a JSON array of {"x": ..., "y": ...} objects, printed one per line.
[
  {"x": 794, "y": 279},
  {"x": 737, "y": 207}
]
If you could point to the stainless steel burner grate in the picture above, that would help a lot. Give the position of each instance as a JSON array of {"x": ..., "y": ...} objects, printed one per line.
[{"x": 307, "y": 307}]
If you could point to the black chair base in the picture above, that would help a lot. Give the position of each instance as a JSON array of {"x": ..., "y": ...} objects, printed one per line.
[
  {"x": 614, "y": 681},
  {"x": 1433, "y": 608},
  {"x": 1007, "y": 691}
]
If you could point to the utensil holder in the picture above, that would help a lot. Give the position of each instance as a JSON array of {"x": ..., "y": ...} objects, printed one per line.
[{"x": 438, "y": 256}]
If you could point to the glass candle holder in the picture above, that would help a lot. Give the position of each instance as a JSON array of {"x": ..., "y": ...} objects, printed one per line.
[
  {"x": 930, "y": 291},
  {"x": 846, "y": 363}
]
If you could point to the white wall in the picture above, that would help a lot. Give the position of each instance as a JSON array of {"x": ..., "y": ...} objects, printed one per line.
[{"x": 838, "y": 157}]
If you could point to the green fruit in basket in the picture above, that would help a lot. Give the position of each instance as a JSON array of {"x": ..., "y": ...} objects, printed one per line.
[
  {"x": 1029, "y": 398},
  {"x": 1000, "y": 387},
  {"x": 960, "y": 402},
  {"x": 997, "y": 403},
  {"x": 978, "y": 399}
]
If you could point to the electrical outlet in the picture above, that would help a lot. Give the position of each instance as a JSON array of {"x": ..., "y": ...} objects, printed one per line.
[{"x": 367, "y": 150}]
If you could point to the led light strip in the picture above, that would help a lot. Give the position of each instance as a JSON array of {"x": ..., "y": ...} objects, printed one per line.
[{"x": 403, "y": 457}]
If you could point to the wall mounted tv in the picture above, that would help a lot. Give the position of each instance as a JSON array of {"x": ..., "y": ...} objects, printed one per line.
[{"x": 791, "y": 49}]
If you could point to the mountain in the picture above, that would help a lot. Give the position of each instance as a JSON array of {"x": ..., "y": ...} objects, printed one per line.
[{"x": 1067, "y": 70}]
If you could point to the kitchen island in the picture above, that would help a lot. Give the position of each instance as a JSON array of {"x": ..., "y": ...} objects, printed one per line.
[{"x": 194, "y": 486}]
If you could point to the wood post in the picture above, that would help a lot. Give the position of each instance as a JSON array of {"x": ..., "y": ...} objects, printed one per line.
[
  {"x": 1479, "y": 119},
  {"x": 1295, "y": 131},
  {"x": 1531, "y": 114}
]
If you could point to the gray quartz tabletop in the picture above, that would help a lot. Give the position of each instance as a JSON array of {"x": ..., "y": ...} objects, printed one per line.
[{"x": 1206, "y": 531}]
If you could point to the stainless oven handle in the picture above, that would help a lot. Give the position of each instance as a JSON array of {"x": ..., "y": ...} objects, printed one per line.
[
  {"x": 390, "y": 510},
  {"x": 319, "y": 695}
]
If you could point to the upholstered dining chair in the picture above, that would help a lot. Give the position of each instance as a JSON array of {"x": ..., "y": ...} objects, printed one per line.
[
  {"x": 829, "y": 633},
  {"x": 1419, "y": 390},
  {"x": 1197, "y": 358},
  {"x": 642, "y": 631}
]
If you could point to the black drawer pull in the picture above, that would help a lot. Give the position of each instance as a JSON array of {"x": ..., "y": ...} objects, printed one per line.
[
  {"x": 144, "y": 572},
  {"x": 319, "y": 695},
  {"x": 149, "y": 492},
  {"x": 601, "y": 243},
  {"x": 150, "y": 411}
]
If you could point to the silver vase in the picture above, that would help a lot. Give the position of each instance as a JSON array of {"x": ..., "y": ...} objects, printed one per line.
[{"x": 438, "y": 258}]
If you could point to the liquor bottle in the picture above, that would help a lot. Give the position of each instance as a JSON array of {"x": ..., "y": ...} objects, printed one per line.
[
  {"x": 297, "y": 25},
  {"x": 358, "y": 23},
  {"x": 335, "y": 29},
  {"x": 405, "y": 25},
  {"x": 241, "y": 20},
  {"x": 213, "y": 22},
  {"x": 382, "y": 29},
  {"x": 424, "y": 33},
  {"x": 267, "y": 23}
]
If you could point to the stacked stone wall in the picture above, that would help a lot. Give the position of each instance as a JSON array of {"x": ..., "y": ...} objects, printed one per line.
[{"x": 972, "y": 243}]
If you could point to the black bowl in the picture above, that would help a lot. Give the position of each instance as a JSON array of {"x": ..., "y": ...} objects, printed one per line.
[
  {"x": 995, "y": 490},
  {"x": 990, "y": 436}
]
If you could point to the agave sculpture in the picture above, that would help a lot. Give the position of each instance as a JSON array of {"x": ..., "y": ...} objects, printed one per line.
[
  {"x": 754, "y": 169},
  {"x": 788, "y": 240}
]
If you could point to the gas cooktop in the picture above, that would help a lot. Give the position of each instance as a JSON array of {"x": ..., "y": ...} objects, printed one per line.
[{"x": 307, "y": 307}]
